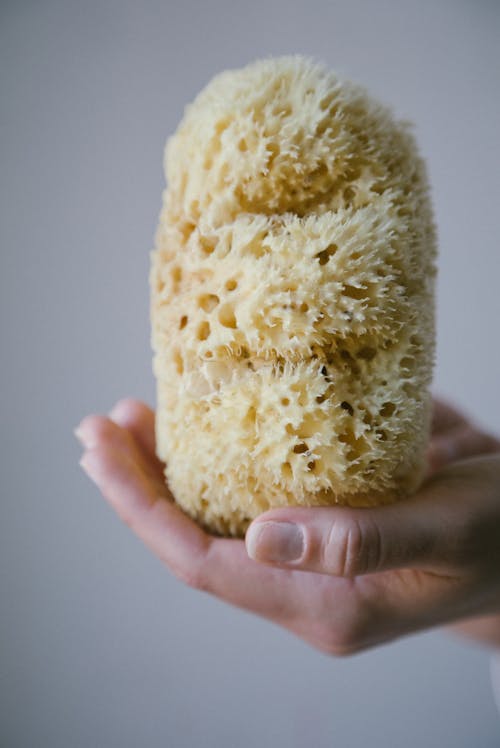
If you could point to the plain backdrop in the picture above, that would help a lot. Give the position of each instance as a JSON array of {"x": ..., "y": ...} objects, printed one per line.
[{"x": 100, "y": 645}]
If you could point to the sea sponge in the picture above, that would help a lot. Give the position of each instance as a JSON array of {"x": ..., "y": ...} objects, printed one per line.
[{"x": 292, "y": 298}]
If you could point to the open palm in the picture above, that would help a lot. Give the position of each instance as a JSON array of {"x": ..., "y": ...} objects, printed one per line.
[{"x": 379, "y": 574}]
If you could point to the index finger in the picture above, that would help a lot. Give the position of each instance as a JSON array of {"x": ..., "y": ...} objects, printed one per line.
[
  {"x": 219, "y": 566},
  {"x": 446, "y": 417}
]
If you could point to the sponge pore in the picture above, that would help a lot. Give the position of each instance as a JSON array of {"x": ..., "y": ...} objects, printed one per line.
[{"x": 292, "y": 298}]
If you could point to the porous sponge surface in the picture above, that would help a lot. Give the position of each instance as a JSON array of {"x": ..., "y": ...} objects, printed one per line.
[{"x": 292, "y": 298}]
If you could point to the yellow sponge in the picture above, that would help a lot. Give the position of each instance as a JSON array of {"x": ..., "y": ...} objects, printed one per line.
[{"x": 292, "y": 298}]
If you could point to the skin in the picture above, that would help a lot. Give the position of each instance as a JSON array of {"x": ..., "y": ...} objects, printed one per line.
[{"x": 361, "y": 577}]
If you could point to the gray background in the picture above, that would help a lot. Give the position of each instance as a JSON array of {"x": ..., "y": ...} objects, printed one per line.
[{"x": 101, "y": 646}]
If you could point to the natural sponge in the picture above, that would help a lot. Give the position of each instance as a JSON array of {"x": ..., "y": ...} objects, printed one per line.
[{"x": 292, "y": 298}]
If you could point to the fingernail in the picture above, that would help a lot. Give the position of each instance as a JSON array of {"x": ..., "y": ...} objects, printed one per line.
[
  {"x": 115, "y": 411},
  {"x": 87, "y": 466},
  {"x": 83, "y": 464},
  {"x": 278, "y": 542},
  {"x": 79, "y": 434}
]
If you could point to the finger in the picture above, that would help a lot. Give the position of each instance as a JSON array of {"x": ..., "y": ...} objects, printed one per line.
[
  {"x": 459, "y": 443},
  {"x": 99, "y": 431},
  {"x": 215, "y": 565},
  {"x": 160, "y": 523},
  {"x": 434, "y": 530},
  {"x": 445, "y": 417},
  {"x": 348, "y": 542},
  {"x": 96, "y": 431},
  {"x": 139, "y": 420}
]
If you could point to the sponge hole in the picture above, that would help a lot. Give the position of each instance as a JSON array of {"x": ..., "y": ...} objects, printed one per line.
[
  {"x": 326, "y": 102},
  {"x": 183, "y": 322},
  {"x": 354, "y": 292},
  {"x": 367, "y": 353},
  {"x": 207, "y": 245},
  {"x": 347, "y": 406},
  {"x": 282, "y": 111},
  {"x": 179, "y": 363},
  {"x": 300, "y": 448},
  {"x": 176, "y": 275},
  {"x": 324, "y": 256},
  {"x": 187, "y": 229},
  {"x": 387, "y": 410},
  {"x": 302, "y": 395},
  {"x": 226, "y": 316},
  {"x": 231, "y": 284},
  {"x": 208, "y": 302},
  {"x": 274, "y": 150},
  {"x": 203, "y": 330},
  {"x": 407, "y": 366},
  {"x": 195, "y": 209},
  {"x": 322, "y": 126}
]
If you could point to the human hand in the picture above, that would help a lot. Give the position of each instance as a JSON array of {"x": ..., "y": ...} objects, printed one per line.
[
  {"x": 454, "y": 437},
  {"x": 362, "y": 577}
]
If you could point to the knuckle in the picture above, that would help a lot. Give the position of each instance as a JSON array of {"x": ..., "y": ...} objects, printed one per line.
[
  {"x": 467, "y": 548},
  {"x": 126, "y": 407},
  {"x": 351, "y": 550},
  {"x": 191, "y": 574},
  {"x": 337, "y": 647},
  {"x": 95, "y": 426},
  {"x": 344, "y": 639},
  {"x": 351, "y": 547},
  {"x": 133, "y": 406}
]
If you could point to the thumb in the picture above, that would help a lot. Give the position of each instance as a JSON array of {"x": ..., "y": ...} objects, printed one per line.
[{"x": 346, "y": 542}]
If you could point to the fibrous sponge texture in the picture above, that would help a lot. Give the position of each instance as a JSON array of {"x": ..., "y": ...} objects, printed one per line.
[{"x": 292, "y": 298}]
